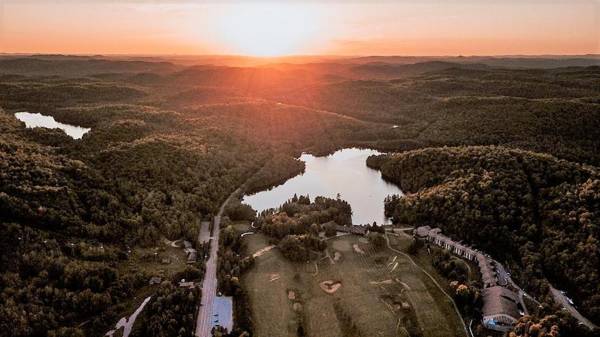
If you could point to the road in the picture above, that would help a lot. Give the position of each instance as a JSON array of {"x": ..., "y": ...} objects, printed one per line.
[
  {"x": 127, "y": 322},
  {"x": 209, "y": 284},
  {"x": 561, "y": 299}
]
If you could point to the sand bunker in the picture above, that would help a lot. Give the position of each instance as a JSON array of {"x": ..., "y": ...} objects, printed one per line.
[
  {"x": 357, "y": 249},
  {"x": 403, "y": 284},
  {"x": 393, "y": 260},
  {"x": 297, "y": 307},
  {"x": 337, "y": 256},
  {"x": 390, "y": 281},
  {"x": 291, "y": 295},
  {"x": 262, "y": 251},
  {"x": 330, "y": 287}
]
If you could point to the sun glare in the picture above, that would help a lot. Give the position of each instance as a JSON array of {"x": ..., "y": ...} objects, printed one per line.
[{"x": 268, "y": 29}]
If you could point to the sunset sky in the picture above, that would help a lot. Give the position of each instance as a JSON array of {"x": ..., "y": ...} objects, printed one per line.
[{"x": 425, "y": 27}]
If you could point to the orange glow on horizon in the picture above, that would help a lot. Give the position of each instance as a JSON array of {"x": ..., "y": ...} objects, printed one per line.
[{"x": 427, "y": 27}]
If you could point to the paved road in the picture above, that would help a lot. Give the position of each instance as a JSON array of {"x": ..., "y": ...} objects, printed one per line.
[
  {"x": 209, "y": 284},
  {"x": 561, "y": 299}
]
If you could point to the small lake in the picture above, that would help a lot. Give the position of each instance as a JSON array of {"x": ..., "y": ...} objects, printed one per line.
[
  {"x": 344, "y": 172},
  {"x": 37, "y": 120}
]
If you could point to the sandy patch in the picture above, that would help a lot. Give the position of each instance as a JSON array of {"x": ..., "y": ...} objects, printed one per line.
[
  {"x": 330, "y": 287},
  {"x": 390, "y": 281},
  {"x": 357, "y": 249},
  {"x": 291, "y": 295},
  {"x": 337, "y": 256},
  {"x": 297, "y": 307},
  {"x": 263, "y": 250},
  {"x": 402, "y": 283},
  {"x": 393, "y": 260}
]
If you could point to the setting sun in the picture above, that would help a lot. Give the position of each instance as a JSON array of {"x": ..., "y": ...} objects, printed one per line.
[{"x": 268, "y": 29}]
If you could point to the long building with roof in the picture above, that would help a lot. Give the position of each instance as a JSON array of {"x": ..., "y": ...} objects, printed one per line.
[{"x": 500, "y": 304}]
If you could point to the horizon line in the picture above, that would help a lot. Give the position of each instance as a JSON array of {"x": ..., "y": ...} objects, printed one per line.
[{"x": 293, "y": 55}]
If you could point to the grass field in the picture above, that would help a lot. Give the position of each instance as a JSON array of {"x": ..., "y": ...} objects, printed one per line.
[{"x": 374, "y": 287}]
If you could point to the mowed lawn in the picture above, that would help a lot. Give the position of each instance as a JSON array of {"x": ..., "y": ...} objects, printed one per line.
[
  {"x": 272, "y": 313},
  {"x": 370, "y": 294}
]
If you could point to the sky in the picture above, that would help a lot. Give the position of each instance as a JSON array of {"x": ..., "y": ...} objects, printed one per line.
[{"x": 276, "y": 28}]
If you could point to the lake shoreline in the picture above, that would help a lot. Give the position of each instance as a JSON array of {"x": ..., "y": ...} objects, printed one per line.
[{"x": 343, "y": 172}]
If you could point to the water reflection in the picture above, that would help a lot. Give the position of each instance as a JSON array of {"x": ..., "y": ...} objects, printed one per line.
[{"x": 344, "y": 172}]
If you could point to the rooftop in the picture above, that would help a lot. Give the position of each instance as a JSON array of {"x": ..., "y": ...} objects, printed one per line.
[{"x": 499, "y": 300}]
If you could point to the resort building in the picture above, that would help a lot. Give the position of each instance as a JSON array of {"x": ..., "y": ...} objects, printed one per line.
[
  {"x": 500, "y": 308},
  {"x": 500, "y": 304}
]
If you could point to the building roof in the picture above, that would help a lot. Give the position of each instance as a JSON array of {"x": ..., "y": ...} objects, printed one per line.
[
  {"x": 423, "y": 231},
  {"x": 488, "y": 274},
  {"x": 499, "y": 300}
]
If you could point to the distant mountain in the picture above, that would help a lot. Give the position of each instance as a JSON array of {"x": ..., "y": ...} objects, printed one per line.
[
  {"x": 517, "y": 61},
  {"x": 77, "y": 66},
  {"x": 389, "y": 71},
  {"x": 542, "y": 62}
]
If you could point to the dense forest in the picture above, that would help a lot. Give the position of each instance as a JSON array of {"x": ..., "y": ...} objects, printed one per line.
[
  {"x": 534, "y": 211},
  {"x": 71, "y": 213}
]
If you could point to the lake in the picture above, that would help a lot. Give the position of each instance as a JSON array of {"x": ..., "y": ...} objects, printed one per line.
[
  {"x": 344, "y": 172},
  {"x": 37, "y": 120}
]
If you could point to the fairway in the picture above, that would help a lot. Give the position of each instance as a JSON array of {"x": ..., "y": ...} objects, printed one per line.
[{"x": 380, "y": 293}]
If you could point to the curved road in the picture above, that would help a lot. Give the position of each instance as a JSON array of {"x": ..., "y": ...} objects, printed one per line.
[{"x": 209, "y": 284}]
